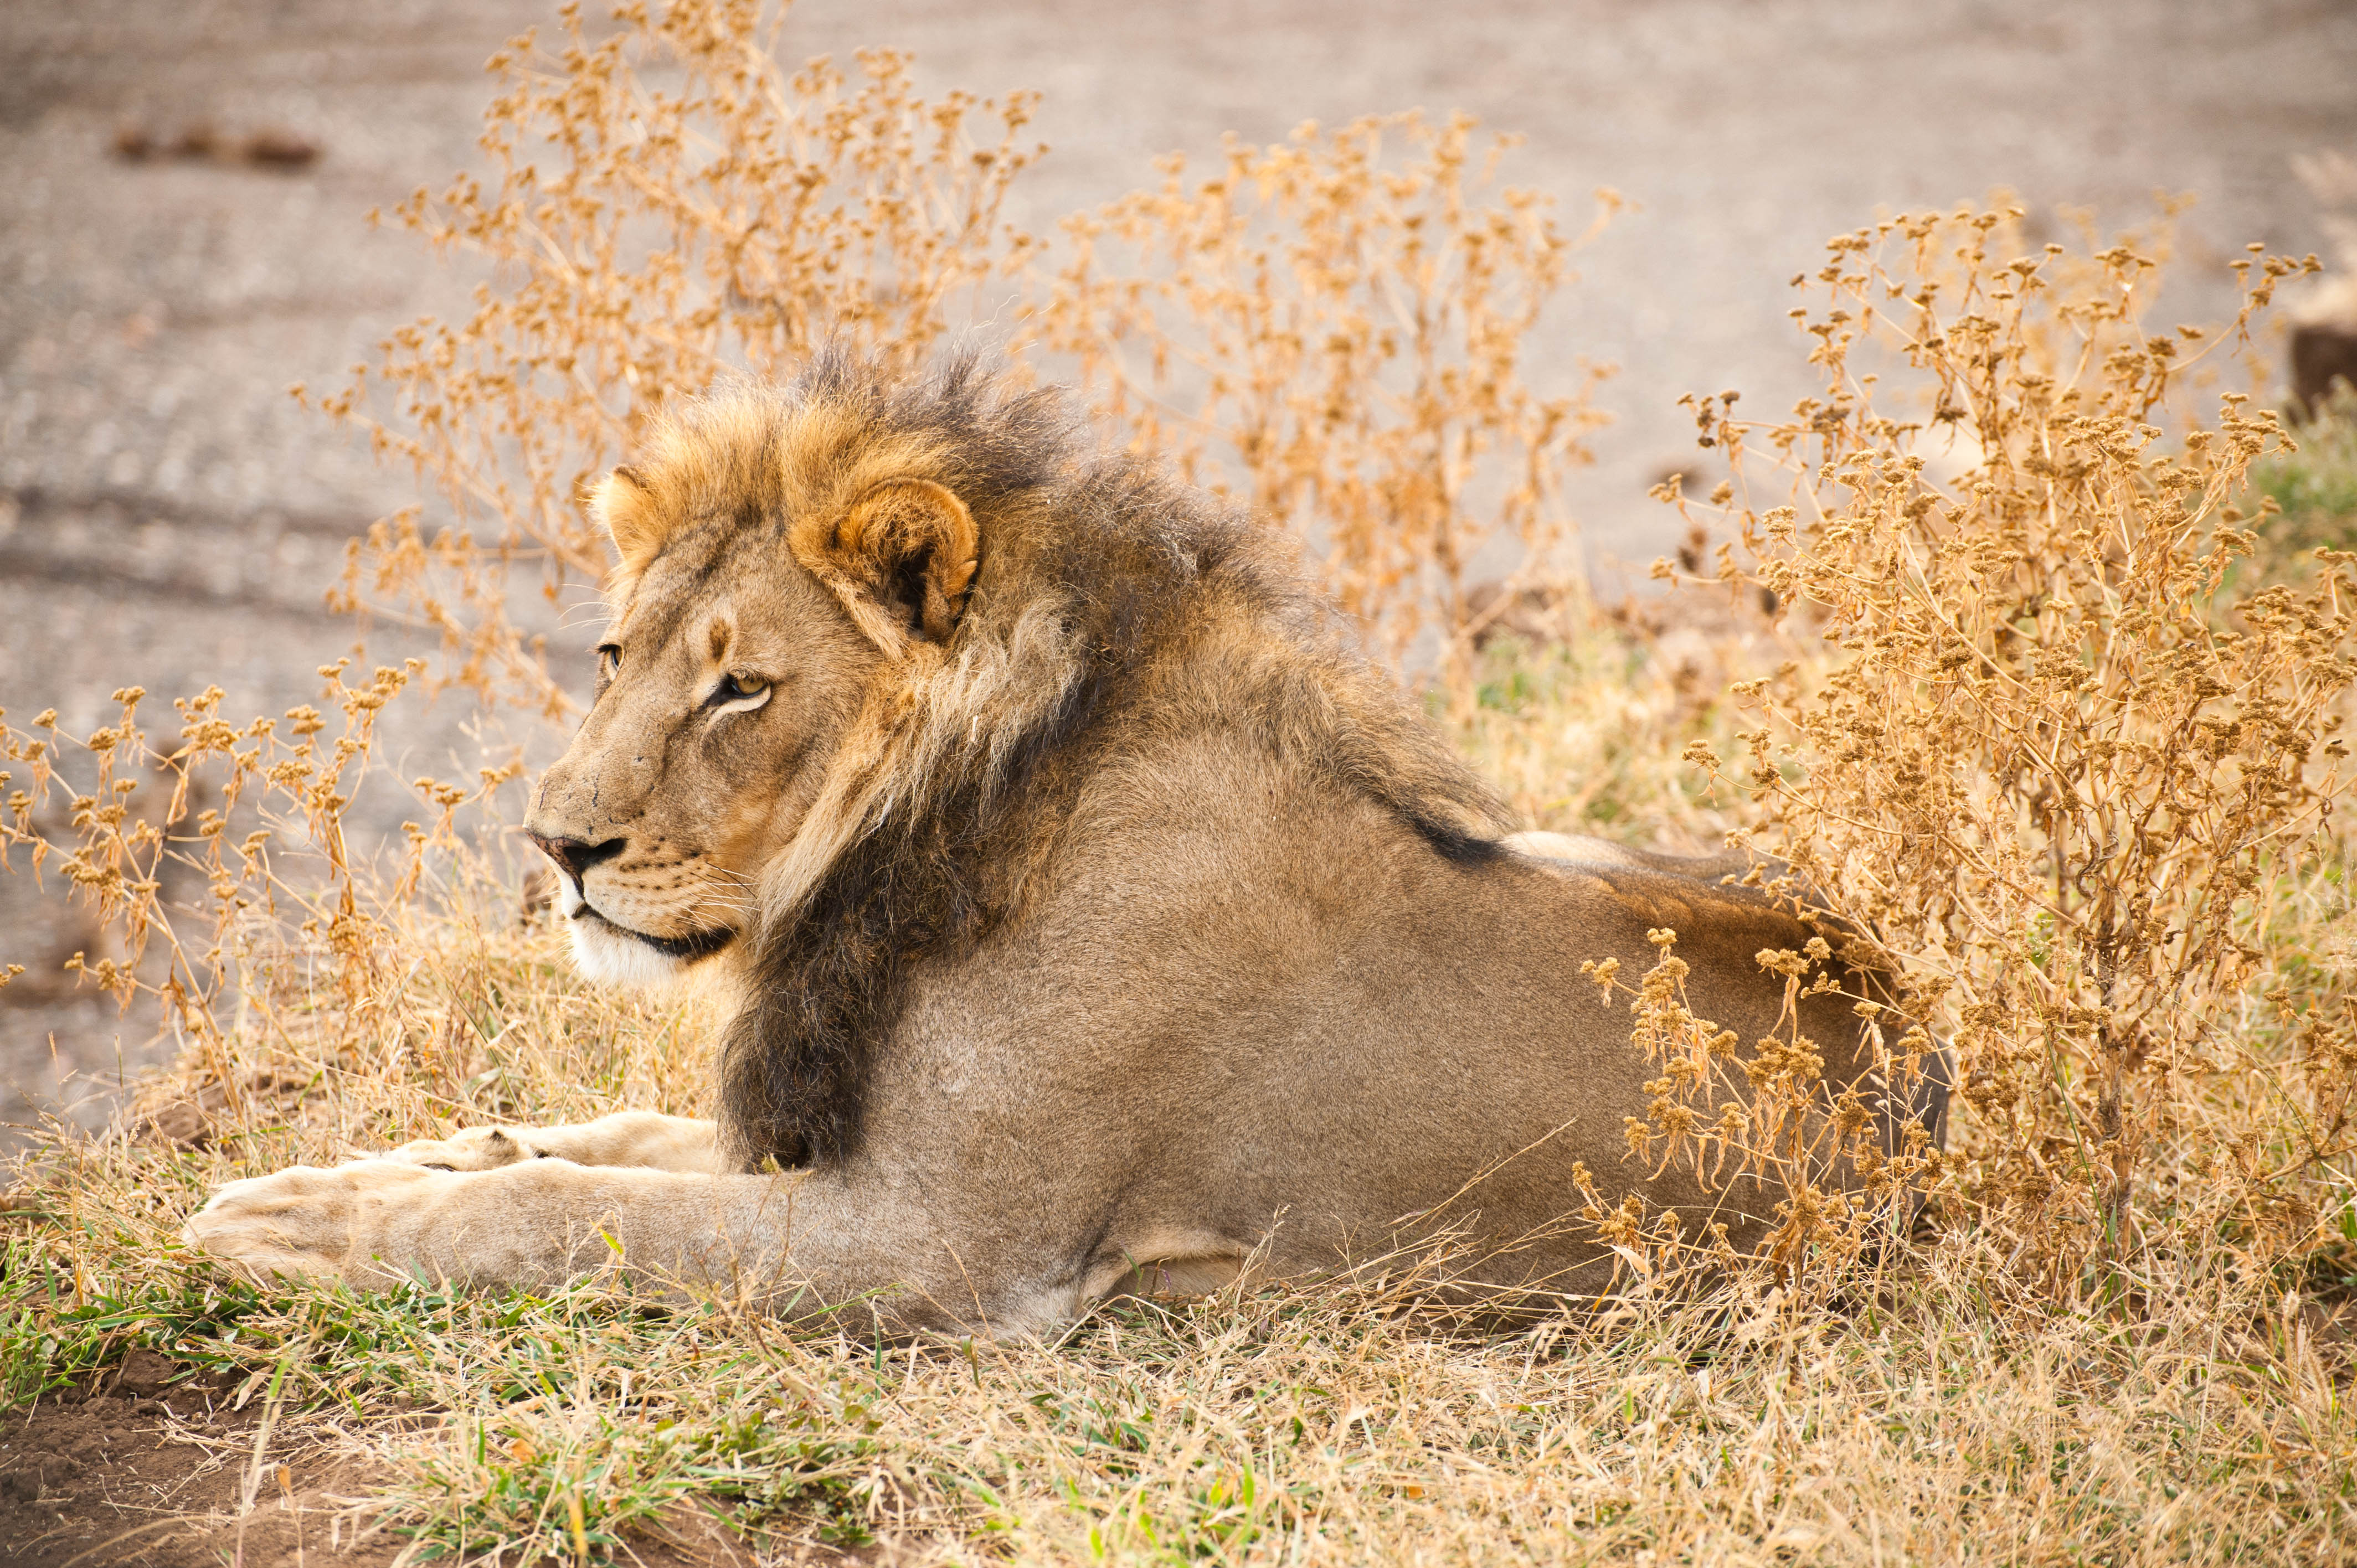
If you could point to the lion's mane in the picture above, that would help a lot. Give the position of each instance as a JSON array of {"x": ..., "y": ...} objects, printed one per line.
[{"x": 1107, "y": 599}]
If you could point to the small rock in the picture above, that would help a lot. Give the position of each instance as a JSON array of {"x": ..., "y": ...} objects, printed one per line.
[
  {"x": 272, "y": 146},
  {"x": 275, "y": 148},
  {"x": 1541, "y": 615},
  {"x": 197, "y": 139},
  {"x": 2321, "y": 355},
  {"x": 144, "y": 1374}
]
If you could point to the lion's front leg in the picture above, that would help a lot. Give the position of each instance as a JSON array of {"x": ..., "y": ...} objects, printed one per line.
[
  {"x": 303, "y": 1222},
  {"x": 801, "y": 1244},
  {"x": 374, "y": 1222},
  {"x": 645, "y": 1139}
]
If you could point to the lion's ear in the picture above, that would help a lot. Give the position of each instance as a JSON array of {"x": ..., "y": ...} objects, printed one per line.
[
  {"x": 622, "y": 505},
  {"x": 901, "y": 560}
]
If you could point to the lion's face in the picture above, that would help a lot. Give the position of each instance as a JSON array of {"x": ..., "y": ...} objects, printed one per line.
[
  {"x": 724, "y": 687},
  {"x": 775, "y": 575}
]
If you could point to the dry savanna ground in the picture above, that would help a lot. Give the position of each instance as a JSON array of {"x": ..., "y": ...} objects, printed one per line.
[{"x": 2025, "y": 645}]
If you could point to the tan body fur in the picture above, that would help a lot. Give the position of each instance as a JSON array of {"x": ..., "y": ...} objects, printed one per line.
[{"x": 1099, "y": 918}]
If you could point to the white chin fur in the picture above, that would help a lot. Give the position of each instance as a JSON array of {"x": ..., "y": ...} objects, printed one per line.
[{"x": 603, "y": 953}]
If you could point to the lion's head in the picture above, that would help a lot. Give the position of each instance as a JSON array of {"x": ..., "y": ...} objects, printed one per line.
[{"x": 783, "y": 557}]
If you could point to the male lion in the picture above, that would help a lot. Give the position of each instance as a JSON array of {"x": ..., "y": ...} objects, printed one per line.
[{"x": 1095, "y": 914}]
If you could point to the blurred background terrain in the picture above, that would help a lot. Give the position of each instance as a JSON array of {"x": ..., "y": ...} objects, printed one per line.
[{"x": 182, "y": 237}]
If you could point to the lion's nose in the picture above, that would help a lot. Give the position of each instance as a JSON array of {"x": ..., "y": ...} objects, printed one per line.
[{"x": 575, "y": 856}]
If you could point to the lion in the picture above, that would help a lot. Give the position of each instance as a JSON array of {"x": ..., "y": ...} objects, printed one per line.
[{"x": 1093, "y": 915}]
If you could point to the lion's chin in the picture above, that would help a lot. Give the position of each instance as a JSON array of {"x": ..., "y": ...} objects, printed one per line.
[{"x": 605, "y": 951}]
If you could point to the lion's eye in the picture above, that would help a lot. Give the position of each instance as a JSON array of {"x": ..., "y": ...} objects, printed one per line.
[
  {"x": 609, "y": 659},
  {"x": 735, "y": 688}
]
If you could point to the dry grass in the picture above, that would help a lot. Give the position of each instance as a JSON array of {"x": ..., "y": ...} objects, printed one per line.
[
  {"x": 1952, "y": 1417},
  {"x": 2047, "y": 719}
]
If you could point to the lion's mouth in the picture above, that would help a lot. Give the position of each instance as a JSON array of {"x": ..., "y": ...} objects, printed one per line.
[{"x": 686, "y": 949}]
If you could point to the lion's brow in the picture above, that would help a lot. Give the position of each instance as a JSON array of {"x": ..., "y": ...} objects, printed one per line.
[{"x": 659, "y": 618}]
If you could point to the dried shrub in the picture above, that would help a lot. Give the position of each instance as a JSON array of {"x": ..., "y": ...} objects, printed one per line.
[
  {"x": 1333, "y": 330},
  {"x": 2072, "y": 793},
  {"x": 1352, "y": 326},
  {"x": 1852, "y": 1165},
  {"x": 291, "y": 912},
  {"x": 646, "y": 241}
]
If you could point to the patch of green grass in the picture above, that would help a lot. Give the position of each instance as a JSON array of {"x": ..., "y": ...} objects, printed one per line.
[
  {"x": 2315, "y": 486},
  {"x": 58, "y": 1326},
  {"x": 1585, "y": 738}
]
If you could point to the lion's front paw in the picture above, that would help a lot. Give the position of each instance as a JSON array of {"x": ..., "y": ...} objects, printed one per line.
[
  {"x": 306, "y": 1222},
  {"x": 469, "y": 1149}
]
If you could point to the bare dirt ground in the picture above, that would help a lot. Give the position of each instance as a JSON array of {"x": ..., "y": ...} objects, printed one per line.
[
  {"x": 133, "y": 1472},
  {"x": 150, "y": 1468},
  {"x": 169, "y": 517}
]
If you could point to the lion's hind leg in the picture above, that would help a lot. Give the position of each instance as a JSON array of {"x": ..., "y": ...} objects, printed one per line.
[{"x": 646, "y": 1140}]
